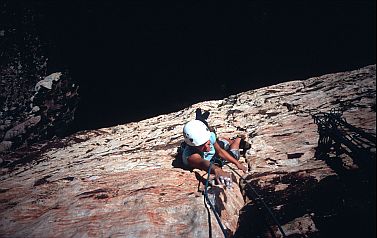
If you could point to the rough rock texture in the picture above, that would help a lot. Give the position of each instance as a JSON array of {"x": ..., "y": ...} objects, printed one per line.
[
  {"x": 125, "y": 181},
  {"x": 316, "y": 184},
  {"x": 33, "y": 105}
]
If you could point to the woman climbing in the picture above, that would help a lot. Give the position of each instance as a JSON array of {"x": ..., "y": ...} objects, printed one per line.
[{"x": 203, "y": 146}]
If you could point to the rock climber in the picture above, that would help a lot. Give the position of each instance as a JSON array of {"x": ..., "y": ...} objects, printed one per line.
[{"x": 204, "y": 146}]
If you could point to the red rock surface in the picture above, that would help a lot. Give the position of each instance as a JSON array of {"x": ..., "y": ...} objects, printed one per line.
[{"x": 125, "y": 181}]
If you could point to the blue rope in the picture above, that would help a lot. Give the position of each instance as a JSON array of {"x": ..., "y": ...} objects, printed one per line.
[{"x": 211, "y": 205}]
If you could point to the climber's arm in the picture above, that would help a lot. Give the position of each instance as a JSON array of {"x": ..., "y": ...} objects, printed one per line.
[
  {"x": 197, "y": 162},
  {"x": 225, "y": 155}
]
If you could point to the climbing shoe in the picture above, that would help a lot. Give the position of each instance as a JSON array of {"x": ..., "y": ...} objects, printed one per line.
[{"x": 244, "y": 146}]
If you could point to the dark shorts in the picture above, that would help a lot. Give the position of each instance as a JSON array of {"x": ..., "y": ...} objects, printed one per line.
[{"x": 226, "y": 146}]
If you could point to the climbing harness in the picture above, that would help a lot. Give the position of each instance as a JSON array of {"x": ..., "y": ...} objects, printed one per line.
[{"x": 259, "y": 198}]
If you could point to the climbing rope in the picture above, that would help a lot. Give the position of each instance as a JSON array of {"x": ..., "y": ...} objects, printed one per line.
[
  {"x": 202, "y": 117},
  {"x": 259, "y": 198},
  {"x": 210, "y": 203}
]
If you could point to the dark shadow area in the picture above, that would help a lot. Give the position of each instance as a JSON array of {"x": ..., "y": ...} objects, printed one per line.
[
  {"x": 137, "y": 59},
  {"x": 345, "y": 206},
  {"x": 338, "y": 206},
  {"x": 350, "y": 205},
  {"x": 337, "y": 137},
  {"x": 253, "y": 223},
  {"x": 267, "y": 208}
]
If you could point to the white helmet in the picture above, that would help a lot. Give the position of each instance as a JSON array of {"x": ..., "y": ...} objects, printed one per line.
[{"x": 196, "y": 133}]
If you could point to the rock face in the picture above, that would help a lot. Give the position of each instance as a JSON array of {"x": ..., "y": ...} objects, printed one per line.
[
  {"x": 125, "y": 181},
  {"x": 313, "y": 165},
  {"x": 33, "y": 106}
]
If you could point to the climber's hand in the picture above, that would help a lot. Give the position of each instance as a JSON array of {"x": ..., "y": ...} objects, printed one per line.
[
  {"x": 220, "y": 173},
  {"x": 223, "y": 178}
]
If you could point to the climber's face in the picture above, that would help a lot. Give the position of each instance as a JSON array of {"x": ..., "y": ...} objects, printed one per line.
[{"x": 205, "y": 147}]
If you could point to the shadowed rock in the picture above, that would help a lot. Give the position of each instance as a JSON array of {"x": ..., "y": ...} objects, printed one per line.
[{"x": 35, "y": 104}]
